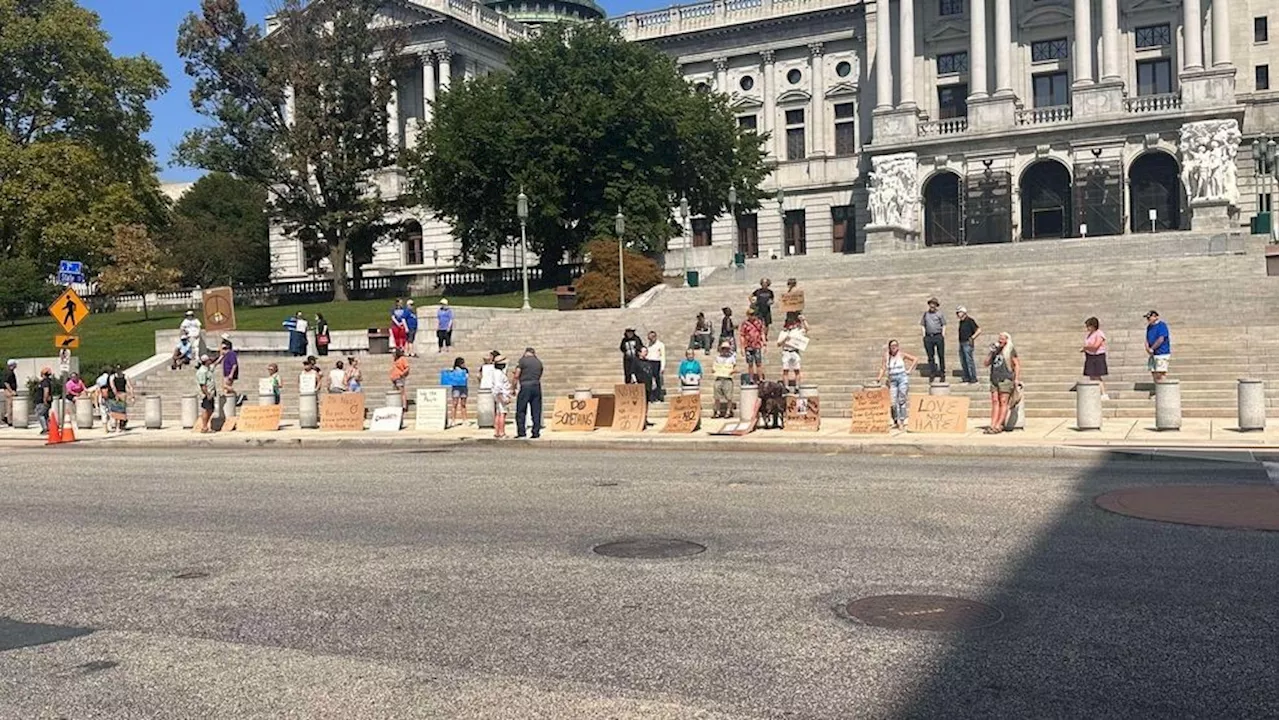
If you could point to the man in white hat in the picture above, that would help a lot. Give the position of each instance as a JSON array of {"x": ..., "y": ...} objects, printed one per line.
[{"x": 191, "y": 326}]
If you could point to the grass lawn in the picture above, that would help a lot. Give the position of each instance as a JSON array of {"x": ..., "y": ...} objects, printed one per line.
[{"x": 125, "y": 338}]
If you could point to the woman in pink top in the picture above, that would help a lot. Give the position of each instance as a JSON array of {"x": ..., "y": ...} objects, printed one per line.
[{"x": 1095, "y": 354}]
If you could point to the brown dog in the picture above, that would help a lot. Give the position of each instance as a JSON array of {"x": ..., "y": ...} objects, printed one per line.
[{"x": 773, "y": 404}]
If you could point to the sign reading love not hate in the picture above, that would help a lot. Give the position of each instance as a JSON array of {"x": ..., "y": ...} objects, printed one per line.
[
  {"x": 342, "y": 412},
  {"x": 938, "y": 414},
  {"x": 574, "y": 415},
  {"x": 629, "y": 409},
  {"x": 871, "y": 412},
  {"x": 684, "y": 415}
]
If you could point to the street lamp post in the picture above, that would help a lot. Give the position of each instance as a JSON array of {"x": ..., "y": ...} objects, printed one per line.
[
  {"x": 620, "y": 227},
  {"x": 1264, "y": 153},
  {"x": 684, "y": 230},
  {"x": 522, "y": 212},
  {"x": 733, "y": 217},
  {"x": 782, "y": 213}
]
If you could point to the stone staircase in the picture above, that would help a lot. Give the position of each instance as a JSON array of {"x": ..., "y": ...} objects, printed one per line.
[{"x": 1222, "y": 310}]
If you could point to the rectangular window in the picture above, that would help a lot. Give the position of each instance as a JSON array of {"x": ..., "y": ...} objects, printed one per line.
[
  {"x": 953, "y": 63},
  {"x": 1155, "y": 77},
  {"x": 747, "y": 122},
  {"x": 1046, "y": 50},
  {"x": 1152, "y": 36},
  {"x": 1264, "y": 203},
  {"x": 748, "y": 236},
  {"x": 795, "y": 134},
  {"x": 1050, "y": 90},
  {"x": 843, "y": 231},
  {"x": 950, "y": 7},
  {"x": 845, "y": 129},
  {"x": 953, "y": 101},
  {"x": 793, "y": 232},
  {"x": 1262, "y": 77},
  {"x": 701, "y": 228},
  {"x": 1260, "y": 29}
]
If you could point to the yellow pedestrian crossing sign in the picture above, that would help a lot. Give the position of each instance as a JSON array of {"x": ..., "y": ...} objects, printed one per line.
[
  {"x": 69, "y": 310},
  {"x": 66, "y": 341}
]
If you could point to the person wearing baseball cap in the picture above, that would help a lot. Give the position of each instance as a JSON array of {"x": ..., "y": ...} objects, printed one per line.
[
  {"x": 969, "y": 332},
  {"x": 1158, "y": 346},
  {"x": 44, "y": 398}
]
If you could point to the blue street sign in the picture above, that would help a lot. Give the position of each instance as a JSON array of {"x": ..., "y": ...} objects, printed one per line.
[
  {"x": 66, "y": 278},
  {"x": 74, "y": 267}
]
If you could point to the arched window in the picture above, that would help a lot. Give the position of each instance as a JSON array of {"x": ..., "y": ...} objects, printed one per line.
[{"x": 412, "y": 242}]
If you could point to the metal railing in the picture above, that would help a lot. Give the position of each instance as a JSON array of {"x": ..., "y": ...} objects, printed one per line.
[{"x": 498, "y": 280}]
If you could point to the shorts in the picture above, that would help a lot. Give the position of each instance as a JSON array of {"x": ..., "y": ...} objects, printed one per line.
[
  {"x": 411, "y": 335},
  {"x": 755, "y": 356},
  {"x": 398, "y": 383},
  {"x": 724, "y": 391},
  {"x": 1004, "y": 387},
  {"x": 458, "y": 392},
  {"x": 206, "y": 404},
  {"x": 499, "y": 408},
  {"x": 1158, "y": 363},
  {"x": 790, "y": 360}
]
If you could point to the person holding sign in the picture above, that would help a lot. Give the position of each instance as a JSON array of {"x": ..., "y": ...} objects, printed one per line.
[
  {"x": 273, "y": 374},
  {"x": 458, "y": 391},
  {"x": 400, "y": 376},
  {"x": 723, "y": 369},
  {"x": 897, "y": 367},
  {"x": 793, "y": 340},
  {"x": 1006, "y": 376},
  {"x": 630, "y": 349},
  {"x": 690, "y": 372}
]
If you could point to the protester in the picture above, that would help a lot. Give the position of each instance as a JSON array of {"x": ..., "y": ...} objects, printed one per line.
[
  {"x": 1095, "y": 354},
  {"x": 101, "y": 390},
  {"x": 190, "y": 326},
  {"x": 969, "y": 332},
  {"x": 231, "y": 371},
  {"x": 273, "y": 374},
  {"x": 73, "y": 388},
  {"x": 355, "y": 378},
  {"x": 458, "y": 392},
  {"x": 932, "y": 323},
  {"x": 399, "y": 326},
  {"x": 400, "y": 376},
  {"x": 338, "y": 378},
  {"x": 297, "y": 327},
  {"x": 690, "y": 373},
  {"x": 753, "y": 332},
  {"x": 310, "y": 370},
  {"x": 9, "y": 388},
  {"x": 486, "y": 371},
  {"x": 42, "y": 398},
  {"x": 794, "y": 340},
  {"x": 206, "y": 384},
  {"x": 119, "y": 393},
  {"x": 444, "y": 326},
  {"x": 895, "y": 370},
  {"x": 501, "y": 396},
  {"x": 701, "y": 338},
  {"x": 657, "y": 354},
  {"x": 792, "y": 314},
  {"x": 762, "y": 301},
  {"x": 1006, "y": 377},
  {"x": 728, "y": 331},
  {"x": 630, "y": 349},
  {"x": 322, "y": 335},
  {"x": 723, "y": 369},
  {"x": 529, "y": 397},
  {"x": 410, "y": 328},
  {"x": 182, "y": 352},
  {"x": 1158, "y": 346},
  {"x": 644, "y": 373}
]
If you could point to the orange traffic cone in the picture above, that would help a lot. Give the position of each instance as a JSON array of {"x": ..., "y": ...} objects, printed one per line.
[
  {"x": 55, "y": 430},
  {"x": 69, "y": 434}
]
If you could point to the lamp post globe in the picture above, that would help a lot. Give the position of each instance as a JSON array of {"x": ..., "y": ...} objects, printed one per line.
[
  {"x": 620, "y": 227},
  {"x": 522, "y": 212}
]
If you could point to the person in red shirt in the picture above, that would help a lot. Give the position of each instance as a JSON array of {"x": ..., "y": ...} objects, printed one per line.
[{"x": 753, "y": 334}]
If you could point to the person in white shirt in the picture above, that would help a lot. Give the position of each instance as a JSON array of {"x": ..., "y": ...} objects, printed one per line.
[
  {"x": 657, "y": 364},
  {"x": 190, "y": 326},
  {"x": 338, "y": 378},
  {"x": 486, "y": 371},
  {"x": 793, "y": 340},
  {"x": 501, "y": 396}
]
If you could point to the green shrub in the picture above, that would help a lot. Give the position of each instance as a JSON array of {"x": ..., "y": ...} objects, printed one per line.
[{"x": 598, "y": 286}]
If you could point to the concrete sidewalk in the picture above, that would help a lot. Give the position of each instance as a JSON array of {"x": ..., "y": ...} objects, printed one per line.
[{"x": 1041, "y": 438}]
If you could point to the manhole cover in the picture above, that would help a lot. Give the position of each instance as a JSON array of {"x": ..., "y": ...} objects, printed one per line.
[
  {"x": 1242, "y": 507},
  {"x": 923, "y": 612},
  {"x": 191, "y": 575},
  {"x": 649, "y": 548}
]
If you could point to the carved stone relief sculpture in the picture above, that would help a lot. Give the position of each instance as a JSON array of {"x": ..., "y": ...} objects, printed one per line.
[{"x": 1208, "y": 150}]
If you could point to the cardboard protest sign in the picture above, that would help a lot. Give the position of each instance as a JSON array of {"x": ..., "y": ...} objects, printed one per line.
[
  {"x": 307, "y": 383},
  {"x": 604, "y": 410},
  {"x": 433, "y": 409},
  {"x": 871, "y": 413},
  {"x": 938, "y": 414},
  {"x": 258, "y": 418},
  {"x": 219, "y": 310},
  {"x": 574, "y": 415},
  {"x": 684, "y": 415},
  {"x": 266, "y": 386},
  {"x": 741, "y": 427},
  {"x": 342, "y": 412},
  {"x": 801, "y": 414},
  {"x": 793, "y": 301},
  {"x": 386, "y": 419},
  {"x": 630, "y": 410}
]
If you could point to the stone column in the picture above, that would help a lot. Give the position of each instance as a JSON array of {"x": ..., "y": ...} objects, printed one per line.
[
  {"x": 1192, "y": 55},
  {"x": 1168, "y": 405},
  {"x": 1088, "y": 405},
  {"x": 1110, "y": 40},
  {"x": 817, "y": 103},
  {"x": 446, "y": 70},
  {"x": 152, "y": 414},
  {"x": 722, "y": 75},
  {"x": 428, "y": 86},
  {"x": 393, "y": 117},
  {"x": 884, "y": 57},
  {"x": 906, "y": 54},
  {"x": 1004, "y": 49},
  {"x": 1251, "y": 405},
  {"x": 978, "y": 48},
  {"x": 766, "y": 74},
  {"x": 1082, "y": 49},
  {"x": 1221, "y": 34}
]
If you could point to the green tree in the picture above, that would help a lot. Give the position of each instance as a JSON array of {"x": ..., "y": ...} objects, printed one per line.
[
  {"x": 219, "y": 233},
  {"x": 586, "y": 123},
  {"x": 73, "y": 163},
  {"x": 21, "y": 286},
  {"x": 327, "y": 63},
  {"x": 137, "y": 265}
]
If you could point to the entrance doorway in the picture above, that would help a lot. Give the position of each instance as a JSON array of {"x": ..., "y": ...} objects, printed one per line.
[
  {"x": 1155, "y": 193},
  {"x": 943, "y": 216},
  {"x": 793, "y": 233},
  {"x": 1046, "y": 200}
]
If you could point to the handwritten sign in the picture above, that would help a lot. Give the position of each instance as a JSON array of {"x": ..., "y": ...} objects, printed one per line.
[
  {"x": 793, "y": 301},
  {"x": 307, "y": 383},
  {"x": 259, "y": 418},
  {"x": 871, "y": 412},
  {"x": 685, "y": 414},
  {"x": 386, "y": 419},
  {"x": 342, "y": 412},
  {"x": 266, "y": 386},
  {"x": 574, "y": 415},
  {"x": 629, "y": 408},
  {"x": 801, "y": 414},
  {"x": 219, "y": 309},
  {"x": 433, "y": 409},
  {"x": 938, "y": 414}
]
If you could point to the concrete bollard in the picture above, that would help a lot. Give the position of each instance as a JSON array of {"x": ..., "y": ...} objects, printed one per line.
[
  {"x": 582, "y": 394},
  {"x": 1088, "y": 405},
  {"x": 21, "y": 411},
  {"x": 391, "y": 399},
  {"x": 189, "y": 411},
  {"x": 484, "y": 409},
  {"x": 308, "y": 411},
  {"x": 747, "y": 399},
  {"x": 267, "y": 399},
  {"x": 152, "y": 412},
  {"x": 84, "y": 413},
  {"x": 1251, "y": 405},
  {"x": 1168, "y": 405},
  {"x": 807, "y": 391},
  {"x": 940, "y": 388},
  {"x": 229, "y": 406}
]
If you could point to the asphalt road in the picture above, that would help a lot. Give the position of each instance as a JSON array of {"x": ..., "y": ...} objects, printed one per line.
[{"x": 462, "y": 583}]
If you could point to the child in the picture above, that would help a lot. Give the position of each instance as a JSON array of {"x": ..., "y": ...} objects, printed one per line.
[
  {"x": 501, "y": 396},
  {"x": 690, "y": 373},
  {"x": 723, "y": 370},
  {"x": 458, "y": 391},
  {"x": 273, "y": 374}
]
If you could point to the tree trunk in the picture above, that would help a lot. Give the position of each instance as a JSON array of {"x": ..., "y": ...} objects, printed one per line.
[
  {"x": 145, "y": 314},
  {"x": 338, "y": 259}
]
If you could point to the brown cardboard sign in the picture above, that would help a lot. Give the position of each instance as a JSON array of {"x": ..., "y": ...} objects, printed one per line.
[
  {"x": 630, "y": 411},
  {"x": 741, "y": 427},
  {"x": 871, "y": 414},
  {"x": 258, "y": 418},
  {"x": 604, "y": 410},
  {"x": 793, "y": 301},
  {"x": 342, "y": 412},
  {"x": 938, "y": 414},
  {"x": 802, "y": 414},
  {"x": 684, "y": 415},
  {"x": 574, "y": 415},
  {"x": 219, "y": 310}
]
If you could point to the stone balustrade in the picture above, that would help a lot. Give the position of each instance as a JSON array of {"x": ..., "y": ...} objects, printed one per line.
[
  {"x": 949, "y": 126},
  {"x": 683, "y": 18},
  {"x": 1153, "y": 103},
  {"x": 1041, "y": 116}
]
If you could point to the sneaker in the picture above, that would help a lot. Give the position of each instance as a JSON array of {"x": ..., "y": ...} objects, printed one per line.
[{"x": 1106, "y": 396}]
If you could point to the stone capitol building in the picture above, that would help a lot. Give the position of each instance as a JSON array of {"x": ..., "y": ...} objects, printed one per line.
[{"x": 900, "y": 124}]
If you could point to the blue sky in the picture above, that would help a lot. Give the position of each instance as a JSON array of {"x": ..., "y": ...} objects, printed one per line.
[{"x": 150, "y": 27}]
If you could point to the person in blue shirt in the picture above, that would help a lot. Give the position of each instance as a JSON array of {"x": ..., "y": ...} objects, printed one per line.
[
  {"x": 444, "y": 326},
  {"x": 1158, "y": 346},
  {"x": 690, "y": 372},
  {"x": 410, "y": 327}
]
